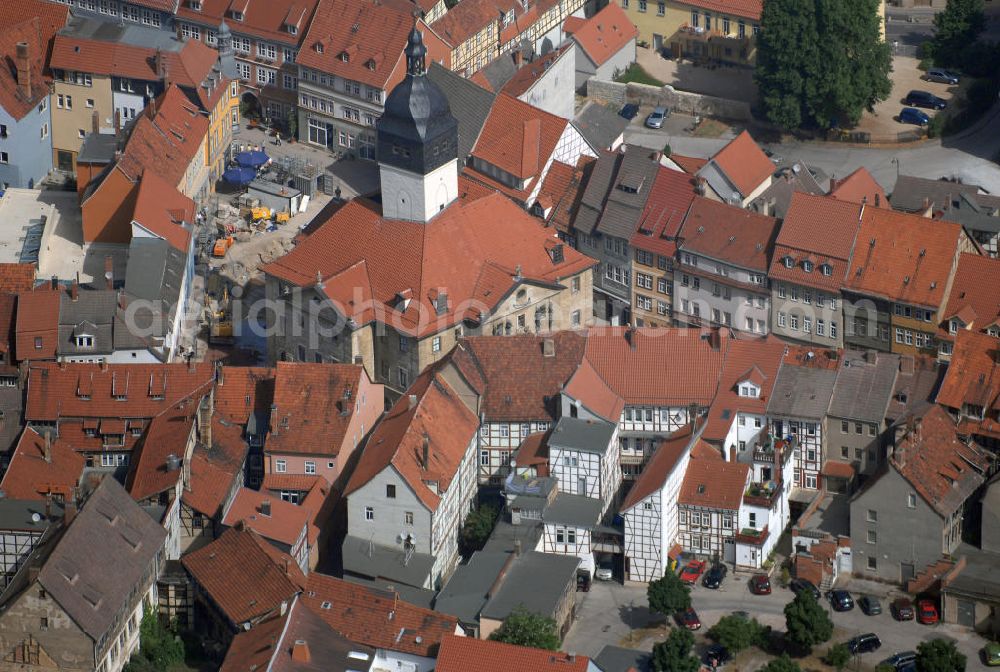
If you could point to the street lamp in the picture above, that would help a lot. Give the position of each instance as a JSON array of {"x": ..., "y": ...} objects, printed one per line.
[{"x": 895, "y": 160}]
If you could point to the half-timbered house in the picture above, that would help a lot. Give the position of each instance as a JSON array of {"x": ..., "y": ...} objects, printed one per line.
[{"x": 709, "y": 503}]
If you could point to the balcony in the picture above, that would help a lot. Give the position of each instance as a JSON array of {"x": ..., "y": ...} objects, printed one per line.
[
  {"x": 769, "y": 446},
  {"x": 762, "y": 494},
  {"x": 699, "y": 33},
  {"x": 749, "y": 535}
]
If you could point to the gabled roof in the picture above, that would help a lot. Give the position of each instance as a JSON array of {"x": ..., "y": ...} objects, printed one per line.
[
  {"x": 470, "y": 252},
  {"x": 605, "y": 34},
  {"x": 943, "y": 469},
  {"x": 99, "y": 57},
  {"x": 973, "y": 375},
  {"x": 561, "y": 191},
  {"x": 470, "y": 104},
  {"x": 284, "y": 524},
  {"x": 209, "y": 485},
  {"x": 974, "y": 289},
  {"x": 668, "y": 203},
  {"x": 531, "y": 72},
  {"x": 916, "y": 194},
  {"x": 243, "y": 391},
  {"x": 689, "y": 164},
  {"x": 599, "y": 124},
  {"x": 460, "y": 654},
  {"x": 588, "y": 388},
  {"x": 753, "y": 358},
  {"x": 14, "y": 98},
  {"x": 163, "y": 211},
  {"x": 76, "y": 575},
  {"x": 33, "y": 476},
  {"x": 859, "y": 187},
  {"x": 743, "y": 163},
  {"x": 149, "y": 466},
  {"x": 37, "y": 318},
  {"x": 16, "y": 278},
  {"x": 376, "y": 618},
  {"x": 617, "y": 191},
  {"x": 261, "y": 18},
  {"x": 429, "y": 412},
  {"x": 669, "y": 453},
  {"x": 904, "y": 257},
  {"x": 804, "y": 385},
  {"x": 463, "y": 21},
  {"x": 518, "y": 138},
  {"x": 245, "y": 576},
  {"x": 728, "y": 233},
  {"x": 714, "y": 484},
  {"x": 864, "y": 386},
  {"x": 313, "y": 407}
]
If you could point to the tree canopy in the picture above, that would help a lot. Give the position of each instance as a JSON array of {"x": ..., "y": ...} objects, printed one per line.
[
  {"x": 525, "y": 628},
  {"x": 737, "y": 633},
  {"x": 955, "y": 30},
  {"x": 807, "y": 622},
  {"x": 782, "y": 664},
  {"x": 477, "y": 528},
  {"x": 821, "y": 62},
  {"x": 668, "y": 595},
  {"x": 939, "y": 655},
  {"x": 159, "y": 647},
  {"x": 674, "y": 653}
]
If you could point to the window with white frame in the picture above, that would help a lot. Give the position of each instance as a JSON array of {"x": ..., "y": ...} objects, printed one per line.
[
  {"x": 369, "y": 513},
  {"x": 243, "y": 69},
  {"x": 310, "y": 467},
  {"x": 190, "y": 32},
  {"x": 280, "y": 466}
]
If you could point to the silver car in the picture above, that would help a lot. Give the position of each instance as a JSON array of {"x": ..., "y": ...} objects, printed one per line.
[
  {"x": 656, "y": 117},
  {"x": 942, "y": 76}
]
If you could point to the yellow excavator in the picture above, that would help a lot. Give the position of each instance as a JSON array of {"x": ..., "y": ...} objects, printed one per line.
[{"x": 221, "y": 326}]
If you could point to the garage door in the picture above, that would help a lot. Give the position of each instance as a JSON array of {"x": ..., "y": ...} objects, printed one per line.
[{"x": 967, "y": 613}]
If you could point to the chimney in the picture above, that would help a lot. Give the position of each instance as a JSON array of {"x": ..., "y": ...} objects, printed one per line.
[
  {"x": 833, "y": 183},
  {"x": 878, "y": 201},
  {"x": 265, "y": 508},
  {"x": 411, "y": 402},
  {"x": 54, "y": 283},
  {"x": 24, "y": 69},
  {"x": 300, "y": 651},
  {"x": 47, "y": 447},
  {"x": 95, "y": 122},
  {"x": 118, "y": 121},
  {"x": 74, "y": 290},
  {"x": 630, "y": 337},
  {"x": 109, "y": 272},
  {"x": 48, "y": 506},
  {"x": 427, "y": 452},
  {"x": 274, "y": 418},
  {"x": 732, "y": 453},
  {"x": 518, "y": 57}
]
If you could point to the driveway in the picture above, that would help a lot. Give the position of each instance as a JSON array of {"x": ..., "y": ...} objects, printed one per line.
[{"x": 724, "y": 82}]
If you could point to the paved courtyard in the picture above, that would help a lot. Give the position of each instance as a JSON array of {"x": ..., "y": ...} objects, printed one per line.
[{"x": 724, "y": 81}]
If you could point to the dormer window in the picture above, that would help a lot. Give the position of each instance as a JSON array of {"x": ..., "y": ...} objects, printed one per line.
[
  {"x": 826, "y": 269},
  {"x": 236, "y": 15},
  {"x": 345, "y": 57},
  {"x": 195, "y": 5},
  {"x": 371, "y": 64},
  {"x": 748, "y": 389},
  {"x": 84, "y": 341},
  {"x": 788, "y": 262},
  {"x": 953, "y": 326},
  {"x": 318, "y": 47},
  {"x": 292, "y": 30},
  {"x": 807, "y": 266}
]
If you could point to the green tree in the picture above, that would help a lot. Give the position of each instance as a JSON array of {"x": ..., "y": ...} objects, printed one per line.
[
  {"x": 737, "y": 633},
  {"x": 668, "y": 595},
  {"x": 525, "y": 628},
  {"x": 782, "y": 664},
  {"x": 955, "y": 29},
  {"x": 807, "y": 622},
  {"x": 838, "y": 656},
  {"x": 674, "y": 653},
  {"x": 477, "y": 529},
  {"x": 939, "y": 655},
  {"x": 821, "y": 62},
  {"x": 159, "y": 647}
]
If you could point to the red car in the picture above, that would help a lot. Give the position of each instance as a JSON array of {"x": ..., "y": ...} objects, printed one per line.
[
  {"x": 689, "y": 619},
  {"x": 927, "y": 612},
  {"x": 760, "y": 584},
  {"x": 692, "y": 571}
]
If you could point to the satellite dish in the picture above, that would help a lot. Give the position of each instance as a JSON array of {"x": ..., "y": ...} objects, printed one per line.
[
  {"x": 36, "y": 517},
  {"x": 796, "y": 168}
]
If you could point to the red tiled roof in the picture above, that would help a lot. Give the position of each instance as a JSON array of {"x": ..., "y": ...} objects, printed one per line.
[
  {"x": 314, "y": 405},
  {"x": 714, "y": 484},
  {"x": 13, "y": 97},
  {"x": 209, "y": 485},
  {"x": 167, "y": 434},
  {"x": 816, "y": 227},
  {"x": 37, "y": 317},
  {"x": 31, "y": 476},
  {"x": 904, "y": 257},
  {"x": 974, "y": 289},
  {"x": 146, "y": 390},
  {"x": 192, "y": 68},
  {"x": 748, "y": 9},
  {"x": 838, "y": 469},
  {"x": 377, "y": 618},
  {"x": 285, "y": 524},
  {"x": 728, "y": 233},
  {"x": 245, "y": 576},
  {"x": 242, "y": 391},
  {"x": 973, "y": 376},
  {"x": 661, "y": 220},
  {"x": 860, "y": 187},
  {"x": 518, "y": 138},
  {"x": 261, "y": 18},
  {"x": 7, "y": 324},
  {"x": 531, "y": 72},
  {"x": 534, "y": 452},
  {"x": 16, "y": 278},
  {"x": 689, "y": 164},
  {"x": 104, "y": 58},
  {"x": 437, "y": 416},
  {"x": 744, "y": 163},
  {"x": 747, "y": 358},
  {"x": 943, "y": 469},
  {"x": 572, "y": 24},
  {"x": 161, "y": 209},
  {"x": 471, "y": 251},
  {"x": 605, "y": 34},
  {"x": 299, "y": 482},
  {"x": 587, "y": 387},
  {"x": 462, "y": 654},
  {"x": 685, "y": 357},
  {"x": 668, "y": 454},
  {"x": 465, "y": 19}
]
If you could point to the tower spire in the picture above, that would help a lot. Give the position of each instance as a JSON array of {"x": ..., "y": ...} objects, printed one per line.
[{"x": 416, "y": 53}]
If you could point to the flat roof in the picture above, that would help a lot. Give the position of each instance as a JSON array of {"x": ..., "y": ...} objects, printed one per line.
[
  {"x": 592, "y": 436},
  {"x": 620, "y": 659},
  {"x": 98, "y": 148},
  {"x": 832, "y": 515},
  {"x": 86, "y": 28},
  {"x": 536, "y": 581},
  {"x": 274, "y": 189},
  {"x": 25, "y": 220},
  {"x": 979, "y": 577},
  {"x": 365, "y": 558},
  {"x": 575, "y": 510},
  {"x": 467, "y": 591},
  {"x": 27, "y": 515},
  {"x": 506, "y": 534}
]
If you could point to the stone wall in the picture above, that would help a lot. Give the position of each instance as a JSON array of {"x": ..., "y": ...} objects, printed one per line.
[{"x": 684, "y": 102}]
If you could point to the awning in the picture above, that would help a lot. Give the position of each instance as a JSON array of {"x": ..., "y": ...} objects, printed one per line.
[
  {"x": 241, "y": 176},
  {"x": 252, "y": 159}
]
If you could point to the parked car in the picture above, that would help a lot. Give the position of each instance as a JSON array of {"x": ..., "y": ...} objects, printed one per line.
[
  {"x": 942, "y": 76},
  {"x": 714, "y": 576},
  {"x": 900, "y": 659},
  {"x": 656, "y": 117},
  {"x": 925, "y": 99},
  {"x": 870, "y": 605},
  {"x": 629, "y": 111},
  {"x": 717, "y": 655},
  {"x": 760, "y": 584},
  {"x": 865, "y": 643},
  {"x": 927, "y": 612},
  {"x": 583, "y": 580},
  {"x": 689, "y": 619},
  {"x": 804, "y": 586},
  {"x": 991, "y": 654},
  {"x": 902, "y": 609},
  {"x": 692, "y": 571},
  {"x": 911, "y": 115},
  {"x": 841, "y": 600},
  {"x": 604, "y": 572}
]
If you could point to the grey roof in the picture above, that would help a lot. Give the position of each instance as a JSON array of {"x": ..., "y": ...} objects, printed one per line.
[
  {"x": 11, "y": 405},
  {"x": 98, "y": 148},
  {"x": 864, "y": 386},
  {"x": 979, "y": 576},
  {"x": 421, "y": 597},
  {"x": 574, "y": 510},
  {"x": 154, "y": 275},
  {"x": 589, "y": 436},
  {"x": 467, "y": 591},
  {"x": 600, "y": 126},
  {"x": 499, "y": 71},
  {"x": 373, "y": 560},
  {"x": 618, "y": 659},
  {"x": 910, "y": 192},
  {"x": 784, "y": 185},
  {"x": 470, "y": 105},
  {"x": 616, "y": 192},
  {"x": 506, "y": 535},
  {"x": 92, "y": 313},
  {"x": 916, "y": 387},
  {"x": 971, "y": 213},
  {"x": 536, "y": 581},
  {"x": 802, "y": 392},
  {"x": 123, "y": 33},
  {"x": 20, "y": 514},
  {"x": 273, "y": 189},
  {"x": 103, "y": 557}
]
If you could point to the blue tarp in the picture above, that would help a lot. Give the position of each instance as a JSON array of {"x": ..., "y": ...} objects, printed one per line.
[
  {"x": 252, "y": 159},
  {"x": 240, "y": 176}
]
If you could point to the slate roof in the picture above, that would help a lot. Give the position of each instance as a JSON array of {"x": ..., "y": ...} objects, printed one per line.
[
  {"x": 562, "y": 190},
  {"x": 864, "y": 387},
  {"x": 588, "y": 436},
  {"x": 92, "y": 312},
  {"x": 573, "y": 510},
  {"x": 599, "y": 125},
  {"x": 909, "y": 193},
  {"x": 494, "y": 75},
  {"x": 797, "y": 178},
  {"x": 535, "y": 580},
  {"x": 76, "y": 576},
  {"x": 616, "y": 192},
  {"x": 459, "y": 654},
  {"x": 728, "y": 233},
  {"x": 605, "y": 34},
  {"x": 973, "y": 212},
  {"x": 376, "y": 618},
  {"x": 468, "y": 589},
  {"x": 804, "y": 386},
  {"x": 245, "y": 577},
  {"x": 470, "y": 104}
]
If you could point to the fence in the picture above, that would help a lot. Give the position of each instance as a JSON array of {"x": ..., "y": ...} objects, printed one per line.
[{"x": 865, "y": 138}]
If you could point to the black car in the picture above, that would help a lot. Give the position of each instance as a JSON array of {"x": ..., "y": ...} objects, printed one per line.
[
  {"x": 804, "y": 586},
  {"x": 925, "y": 99},
  {"x": 714, "y": 576},
  {"x": 841, "y": 600},
  {"x": 717, "y": 655},
  {"x": 870, "y": 605},
  {"x": 865, "y": 643},
  {"x": 629, "y": 111},
  {"x": 901, "y": 659}
]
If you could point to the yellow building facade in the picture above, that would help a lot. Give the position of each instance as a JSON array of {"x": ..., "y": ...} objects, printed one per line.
[
  {"x": 222, "y": 119},
  {"x": 75, "y": 100}
]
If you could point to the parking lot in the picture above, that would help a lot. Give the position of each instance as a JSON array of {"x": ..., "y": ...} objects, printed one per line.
[
  {"x": 610, "y": 611},
  {"x": 906, "y": 76}
]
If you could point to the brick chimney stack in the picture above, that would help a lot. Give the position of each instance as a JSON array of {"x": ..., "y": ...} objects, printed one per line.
[
  {"x": 24, "y": 69},
  {"x": 300, "y": 651}
]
